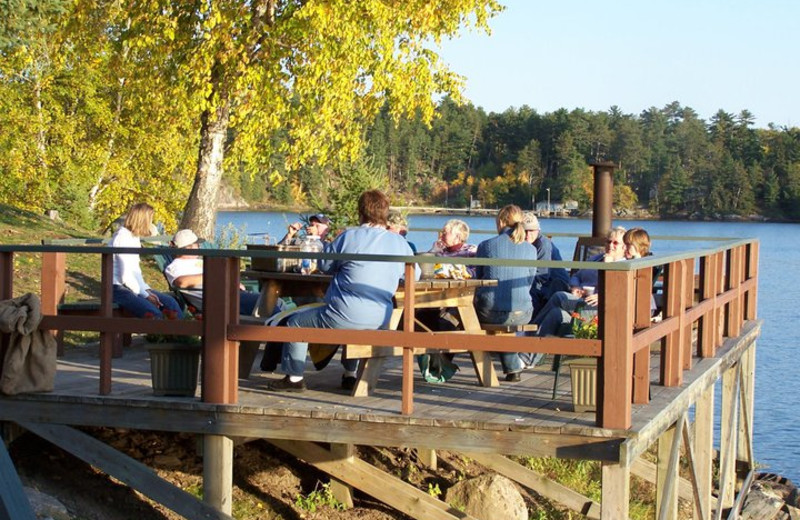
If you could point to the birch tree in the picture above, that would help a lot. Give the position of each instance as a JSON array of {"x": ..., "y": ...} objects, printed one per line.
[{"x": 318, "y": 70}]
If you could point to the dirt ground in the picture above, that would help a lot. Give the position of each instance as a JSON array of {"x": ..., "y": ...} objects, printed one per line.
[{"x": 267, "y": 481}]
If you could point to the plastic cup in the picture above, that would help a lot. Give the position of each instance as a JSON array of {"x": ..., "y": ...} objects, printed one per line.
[{"x": 588, "y": 290}]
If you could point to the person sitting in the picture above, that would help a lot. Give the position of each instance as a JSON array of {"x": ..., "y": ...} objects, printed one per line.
[
  {"x": 185, "y": 272},
  {"x": 583, "y": 289},
  {"x": 452, "y": 242},
  {"x": 397, "y": 223},
  {"x": 318, "y": 226},
  {"x": 509, "y": 302},
  {"x": 360, "y": 294},
  {"x": 548, "y": 280},
  {"x": 637, "y": 243},
  {"x": 130, "y": 291}
]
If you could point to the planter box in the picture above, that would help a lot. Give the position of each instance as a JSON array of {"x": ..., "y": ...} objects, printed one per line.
[
  {"x": 174, "y": 368},
  {"x": 583, "y": 375}
]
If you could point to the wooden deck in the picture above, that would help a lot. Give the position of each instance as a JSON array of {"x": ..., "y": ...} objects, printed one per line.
[
  {"x": 519, "y": 418},
  {"x": 708, "y": 334}
]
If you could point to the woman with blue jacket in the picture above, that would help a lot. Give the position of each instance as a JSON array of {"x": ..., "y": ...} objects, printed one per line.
[{"x": 509, "y": 302}]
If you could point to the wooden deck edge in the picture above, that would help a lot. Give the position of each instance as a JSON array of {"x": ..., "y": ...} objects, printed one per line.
[{"x": 233, "y": 424}]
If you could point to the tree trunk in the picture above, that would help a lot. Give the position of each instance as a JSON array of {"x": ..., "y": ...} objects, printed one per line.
[{"x": 200, "y": 212}]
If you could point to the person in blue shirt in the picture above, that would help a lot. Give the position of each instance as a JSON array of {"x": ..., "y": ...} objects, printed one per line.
[
  {"x": 360, "y": 294},
  {"x": 509, "y": 302}
]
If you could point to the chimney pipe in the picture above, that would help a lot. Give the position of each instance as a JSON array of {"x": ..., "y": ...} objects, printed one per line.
[{"x": 603, "y": 197}]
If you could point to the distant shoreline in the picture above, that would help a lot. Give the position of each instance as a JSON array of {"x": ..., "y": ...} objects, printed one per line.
[{"x": 490, "y": 212}]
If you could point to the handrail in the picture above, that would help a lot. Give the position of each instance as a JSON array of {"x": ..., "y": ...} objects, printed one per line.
[{"x": 720, "y": 298}]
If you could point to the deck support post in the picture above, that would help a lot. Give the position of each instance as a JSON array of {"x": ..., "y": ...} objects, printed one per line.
[
  {"x": 747, "y": 367},
  {"x": 342, "y": 491},
  {"x": 616, "y": 492},
  {"x": 427, "y": 457},
  {"x": 218, "y": 472},
  {"x": 704, "y": 447},
  {"x": 667, "y": 473}
]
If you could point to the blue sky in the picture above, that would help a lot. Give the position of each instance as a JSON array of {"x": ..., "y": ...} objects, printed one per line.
[{"x": 705, "y": 54}]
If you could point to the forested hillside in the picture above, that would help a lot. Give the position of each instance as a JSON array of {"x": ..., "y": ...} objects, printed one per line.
[{"x": 668, "y": 160}]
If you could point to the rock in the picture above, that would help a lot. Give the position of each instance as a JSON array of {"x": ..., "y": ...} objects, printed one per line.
[
  {"x": 771, "y": 496},
  {"x": 488, "y": 497},
  {"x": 45, "y": 506}
]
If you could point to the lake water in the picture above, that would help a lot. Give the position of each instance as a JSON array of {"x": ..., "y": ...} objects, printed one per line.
[{"x": 777, "y": 431}]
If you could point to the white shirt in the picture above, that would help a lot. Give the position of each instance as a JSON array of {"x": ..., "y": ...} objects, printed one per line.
[
  {"x": 183, "y": 266},
  {"x": 127, "y": 271}
]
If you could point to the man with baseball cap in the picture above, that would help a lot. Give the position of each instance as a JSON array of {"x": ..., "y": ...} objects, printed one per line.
[
  {"x": 318, "y": 226},
  {"x": 548, "y": 280},
  {"x": 185, "y": 272}
]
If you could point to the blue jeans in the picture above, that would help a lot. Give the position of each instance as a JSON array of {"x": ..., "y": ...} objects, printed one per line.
[
  {"x": 510, "y": 361},
  {"x": 141, "y": 307},
  {"x": 247, "y": 302},
  {"x": 293, "y": 357},
  {"x": 557, "y": 313}
]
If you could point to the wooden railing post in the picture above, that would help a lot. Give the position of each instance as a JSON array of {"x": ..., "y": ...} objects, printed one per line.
[
  {"x": 641, "y": 359},
  {"x": 672, "y": 353},
  {"x": 106, "y": 311},
  {"x": 408, "y": 352},
  {"x": 53, "y": 287},
  {"x": 53, "y": 282},
  {"x": 220, "y": 372},
  {"x": 688, "y": 302},
  {"x": 708, "y": 322},
  {"x": 751, "y": 301},
  {"x": 6, "y": 293},
  {"x": 615, "y": 366}
]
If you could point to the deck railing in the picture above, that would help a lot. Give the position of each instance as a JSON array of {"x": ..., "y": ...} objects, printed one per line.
[{"x": 712, "y": 289}]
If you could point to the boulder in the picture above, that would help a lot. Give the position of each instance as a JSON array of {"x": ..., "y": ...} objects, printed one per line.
[
  {"x": 45, "y": 506},
  {"x": 488, "y": 497}
]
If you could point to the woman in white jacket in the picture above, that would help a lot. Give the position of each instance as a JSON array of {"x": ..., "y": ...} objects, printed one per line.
[{"x": 131, "y": 292}]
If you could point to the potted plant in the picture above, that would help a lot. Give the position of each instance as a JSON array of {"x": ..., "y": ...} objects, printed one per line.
[
  {"x": 174, "y": 364},
  {"x": 583, "y": 371}
]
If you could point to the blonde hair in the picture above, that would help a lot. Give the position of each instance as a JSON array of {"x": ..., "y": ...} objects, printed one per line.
[
  {"x": 139, "y": 219},
  {"x": 459, "y": 227},
  {"x": 639, "y": 238},
  {"x": 511, "y": 217}
]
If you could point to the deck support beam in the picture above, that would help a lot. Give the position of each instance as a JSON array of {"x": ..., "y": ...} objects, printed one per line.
[{"x": 728, "y": 436}]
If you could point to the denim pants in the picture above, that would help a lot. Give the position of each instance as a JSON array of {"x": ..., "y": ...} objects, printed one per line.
[
  {"x": 293, "y": 357},
  {"x": 557, "y": 313},
  {"x": 141, "y": 307},
  {"x": 510, "y": 361}
]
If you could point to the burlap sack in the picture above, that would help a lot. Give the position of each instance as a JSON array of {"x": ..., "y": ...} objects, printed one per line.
[{"x": 29, "y": 364}]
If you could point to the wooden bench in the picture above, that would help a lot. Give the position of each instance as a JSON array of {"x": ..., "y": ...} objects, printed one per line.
[{"x": 506, "y": 330}]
